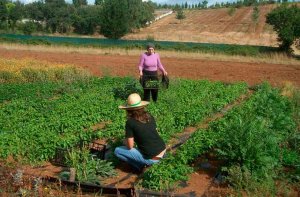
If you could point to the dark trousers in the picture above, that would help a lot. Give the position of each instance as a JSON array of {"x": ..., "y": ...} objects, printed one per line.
[{"x": 150, "y": 75}]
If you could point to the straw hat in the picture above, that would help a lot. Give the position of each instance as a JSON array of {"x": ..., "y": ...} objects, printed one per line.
[{"x": 134, "y": 102}]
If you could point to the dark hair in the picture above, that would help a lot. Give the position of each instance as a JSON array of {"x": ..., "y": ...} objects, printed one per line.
[
  {"x": 140, "y": 115},
  {"x": 150, "y": 45}
]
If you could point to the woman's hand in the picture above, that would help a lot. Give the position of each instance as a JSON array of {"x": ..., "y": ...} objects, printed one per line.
[
  {"x": 141, "y": 73},
  {"x": 129, "y": 142},
  {"x": 165, "y": 73}
]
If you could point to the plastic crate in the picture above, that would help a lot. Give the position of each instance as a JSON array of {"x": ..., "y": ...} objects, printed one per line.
[
  {"x": 60, "y": 157},
  {"x": 97, "y": 150}
]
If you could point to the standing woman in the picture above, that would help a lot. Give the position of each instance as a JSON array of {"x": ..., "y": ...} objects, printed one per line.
[
  {"x": 140, "y": 130},
  {"x": 148, "y": 66}
]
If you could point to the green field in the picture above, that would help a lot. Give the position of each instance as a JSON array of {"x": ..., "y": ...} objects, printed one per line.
[{"x": 257, "y": 139}]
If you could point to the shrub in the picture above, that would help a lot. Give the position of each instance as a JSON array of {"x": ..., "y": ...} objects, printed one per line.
[
  {"x": 28, "y": 28},
  {"x": 231, "y": 11},
  {"x": 6, "y": 77},
  {"x": 285, "y": 21}
]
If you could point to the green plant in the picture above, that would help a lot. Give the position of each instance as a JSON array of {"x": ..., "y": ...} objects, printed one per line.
[
  {"x": 151, "y": 84},
  {"x": 255, "y": 14},
  {"x": 285, "y": 21},
  {"x": 123, "y": 91},
  {"x": 231, "y": 11},
  {"x": 115, "y": 19},
  {"x": 88, "y": 169},
  {"x": 6, "y": 77},
  {"x": 180, "y": 14}
]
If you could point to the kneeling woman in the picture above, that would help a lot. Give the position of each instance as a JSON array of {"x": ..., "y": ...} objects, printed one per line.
[{"x": 140, "y": 129}]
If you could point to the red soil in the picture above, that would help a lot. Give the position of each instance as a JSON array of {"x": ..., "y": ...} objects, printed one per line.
[{"x": 118, "y": 65}]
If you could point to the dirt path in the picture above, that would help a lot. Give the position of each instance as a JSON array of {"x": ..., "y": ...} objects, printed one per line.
[{"x": 120, "y": 65}]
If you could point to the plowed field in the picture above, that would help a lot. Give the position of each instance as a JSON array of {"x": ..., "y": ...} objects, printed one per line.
[
  {"x": 213, "y": 26},
  {"x": 191, "y": 68}
]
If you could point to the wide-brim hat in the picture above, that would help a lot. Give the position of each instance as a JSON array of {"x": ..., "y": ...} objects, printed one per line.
[{"x": 134, "y": 102}]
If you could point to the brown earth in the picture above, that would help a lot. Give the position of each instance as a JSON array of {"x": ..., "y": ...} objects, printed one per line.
[
  {"x": 213, "y": 26},
  {"x": 182, "y": 67}
]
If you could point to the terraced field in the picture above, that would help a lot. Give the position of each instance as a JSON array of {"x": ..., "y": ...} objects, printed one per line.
[{"x": 213, "y": 26}]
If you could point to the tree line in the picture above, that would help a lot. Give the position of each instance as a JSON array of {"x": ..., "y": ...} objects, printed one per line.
[
  {"x": 203, "y": 4},
  {"x": 112, "y": 18}
]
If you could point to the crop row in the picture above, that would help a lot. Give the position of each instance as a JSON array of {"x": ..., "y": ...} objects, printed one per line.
[
  {"x": 257, "y": 136},
  {"x": 59, "y": 115}
]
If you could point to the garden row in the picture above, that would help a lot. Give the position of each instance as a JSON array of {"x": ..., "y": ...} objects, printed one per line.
[
  {"x": 255, "y": 141},
  {"x": 57, "y": 114}
]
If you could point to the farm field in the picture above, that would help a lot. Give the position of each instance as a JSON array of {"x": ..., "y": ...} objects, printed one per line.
[
  {"x": 73, "y": 109},
  {"x": 213, "y": 26},
  {"x": 225, "y": 119},
  {"x": 275, "y": 69}
]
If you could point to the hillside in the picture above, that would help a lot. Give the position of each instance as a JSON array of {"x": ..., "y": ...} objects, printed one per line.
[{"x": 213, "y": 26}]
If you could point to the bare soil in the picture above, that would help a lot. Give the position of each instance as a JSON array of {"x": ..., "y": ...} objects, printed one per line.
[
  {"x": 213, "y": 26},
  {"x": 182, "y": 67}
]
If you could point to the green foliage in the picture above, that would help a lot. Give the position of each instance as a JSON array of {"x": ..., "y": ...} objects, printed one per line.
[
  {"x": 255, "y": 14},
  {"x": 86, "y": 19},
  {"x": 7, "y": 77},
  {"x": 146, "y": 14},
  {"x": 78, "y": 3},
  {"x": 254, "y": 139},
  {"x": 180, "y": 14},
  {"x": 290, "y": 157},
  {"x": 231, "y": 11},
  {"x": 89, "y": 169},
  {"x": 115, "y": 19},
  {"x": 39, "y": 75},
  {"x": 28, "y": 28},
  {"x": 285, "y": 21},
  {"x": 57, "y": 114},
  {"x": 175, "y": 168},
  {"x": 241, "y": 179},
  {"x": 152, "y": 84},
  {"x": 123, "y": 91}
]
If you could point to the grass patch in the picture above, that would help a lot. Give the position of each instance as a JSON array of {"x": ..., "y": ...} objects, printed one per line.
[{"x": 28, "y": 70}]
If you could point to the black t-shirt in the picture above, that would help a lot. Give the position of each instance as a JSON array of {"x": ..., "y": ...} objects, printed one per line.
[{"x": 145, "y": 136}]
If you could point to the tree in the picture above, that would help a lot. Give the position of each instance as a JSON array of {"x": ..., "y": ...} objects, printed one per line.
[
  {"x": 35, "y": 11},
  {"x": 85, "y": 19},
  {"x": 78, "y": 3},
  {"x": 146, "y": 13},
  {"x": 286, "y": 22},
  {"x": 180, "y": 14},
  {"x": 99, "y": 2},
  {"x": 134, "y": 8},
  {"x": 114, "y": 21},
  {"x": 204, "y": 3},
  {"x": 15, "y": 13},
  {"x": 58, "y": 15}
]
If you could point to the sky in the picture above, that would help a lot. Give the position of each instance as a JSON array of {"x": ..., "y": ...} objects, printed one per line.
[{"x": 210, "y": 2}]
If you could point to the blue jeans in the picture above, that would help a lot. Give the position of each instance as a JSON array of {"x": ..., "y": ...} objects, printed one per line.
[{"x": 133, "y": 157}]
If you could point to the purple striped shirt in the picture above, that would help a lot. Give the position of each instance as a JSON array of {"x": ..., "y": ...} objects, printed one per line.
[{"x": 150, "y": 62}]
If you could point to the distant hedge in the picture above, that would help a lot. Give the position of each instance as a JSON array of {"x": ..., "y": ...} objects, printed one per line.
[{"x": 229, "y": 49}]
